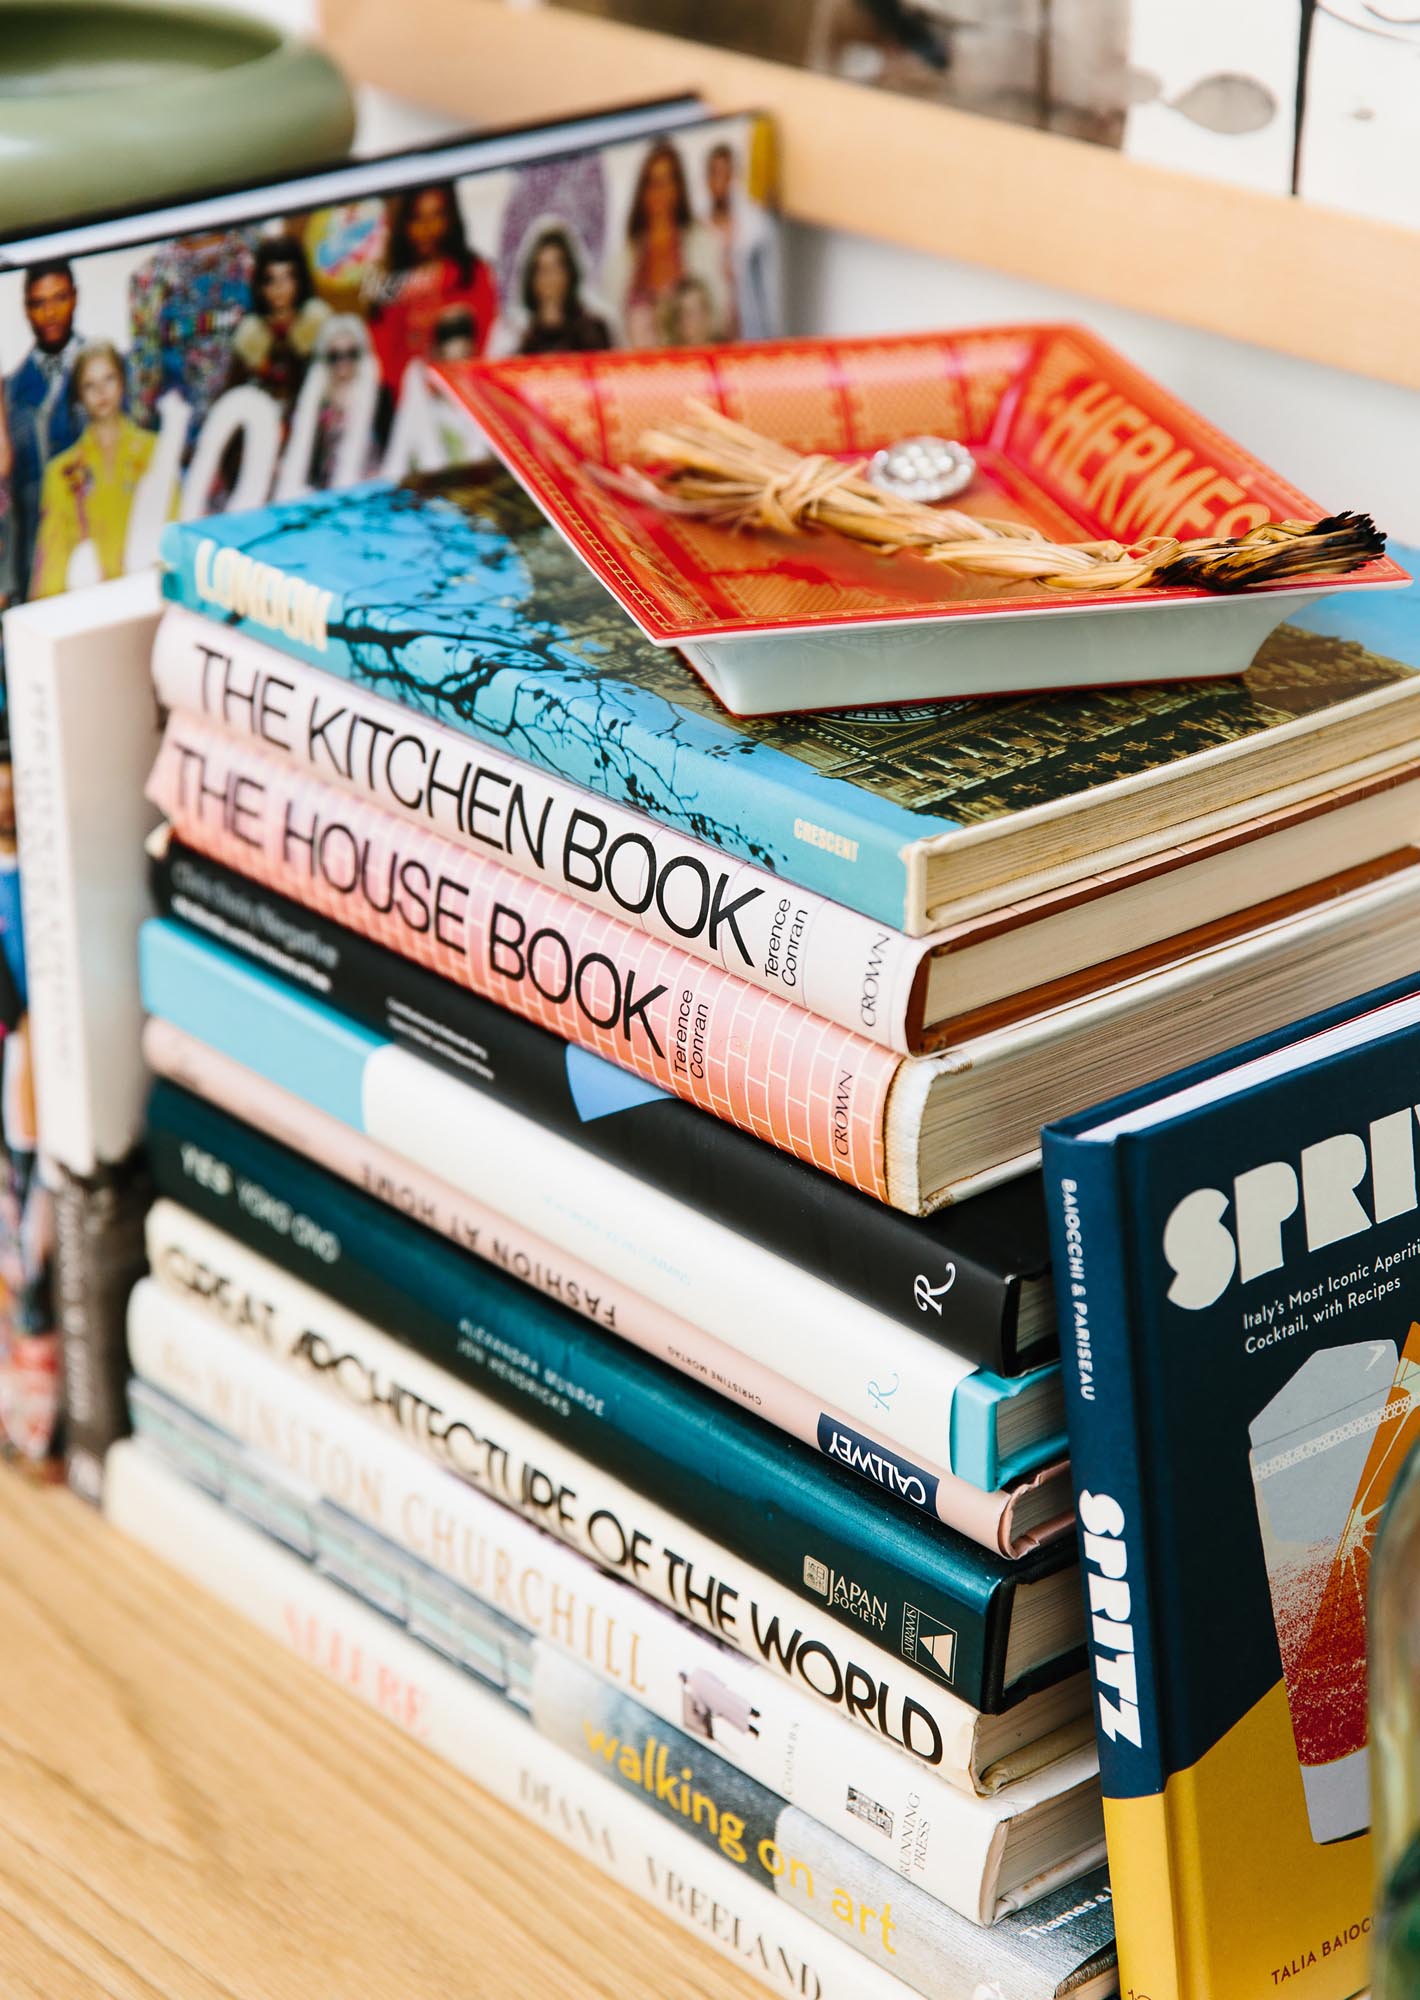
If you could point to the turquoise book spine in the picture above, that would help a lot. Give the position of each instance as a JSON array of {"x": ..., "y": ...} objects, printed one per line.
[{"x": 776, "y": 1503}]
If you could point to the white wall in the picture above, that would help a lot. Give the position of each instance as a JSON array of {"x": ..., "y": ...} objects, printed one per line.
[{"x": 1347, "y": 442}]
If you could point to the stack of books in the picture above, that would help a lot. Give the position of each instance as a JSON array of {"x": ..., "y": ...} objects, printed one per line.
[
  {"x": 599, "y": 1302},
  {"x": 262, "y": 340}
]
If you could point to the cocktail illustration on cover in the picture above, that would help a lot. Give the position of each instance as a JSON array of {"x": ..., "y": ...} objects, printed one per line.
[{"x": 1325, "y": 1449}]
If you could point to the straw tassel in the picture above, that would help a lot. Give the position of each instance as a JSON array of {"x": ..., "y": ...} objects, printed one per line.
[{"x": 719, "y": 470}]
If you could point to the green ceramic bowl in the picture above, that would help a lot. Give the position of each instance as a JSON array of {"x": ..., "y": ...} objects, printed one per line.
[{"x": 105, "y": 104}]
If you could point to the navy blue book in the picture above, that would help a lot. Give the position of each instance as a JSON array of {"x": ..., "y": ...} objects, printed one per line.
[
  {"x": 455, "y": 596},
  {"x": 1237, "y": 1260},
  {"x": 1008, "y": 1627},
  {"x": 973, "y": 1276}
]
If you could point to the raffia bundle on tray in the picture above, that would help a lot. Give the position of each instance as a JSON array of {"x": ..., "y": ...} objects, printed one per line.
[{"x": 720, "y": 470}]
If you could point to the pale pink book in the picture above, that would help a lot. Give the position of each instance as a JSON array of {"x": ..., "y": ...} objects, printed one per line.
[
  {"x": 793, "y": 1079},
  {"x": 986, "y": 1517}
]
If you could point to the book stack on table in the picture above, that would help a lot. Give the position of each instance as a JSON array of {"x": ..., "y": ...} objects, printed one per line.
[{"x": 599, "y": 1285}]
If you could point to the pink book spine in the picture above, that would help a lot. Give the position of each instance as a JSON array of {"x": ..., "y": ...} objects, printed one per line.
[
  {"x": 985, "y": 1517},
  {"x": 793, "y": 1079}
]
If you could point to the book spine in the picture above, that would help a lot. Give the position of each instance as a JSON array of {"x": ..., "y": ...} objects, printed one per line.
[
  {"x": 770, "y": 1724},
  {"x": 186, "y": 1350},
  {"x": 790, "y": 1512},
  {"x": 477, "y": 1733},
  {"x": 59, "y": 1049},
  {"x": 799, "y": 1082},
  {"x": 986, "y": 1518},
  {"x": 892, "y": 1924},
  {"x": 815, "y": 954},
  {"x": 542, "y": 1617},
  {"x": 930, "y": 1405},
  {"x": 86, "y": 732},
  {"x": 683, "y": 766},
  {"x": 919, "y": 1272},
  {"x": 1098, "y": 1332},
  {"x": 98, "y": 1258}
]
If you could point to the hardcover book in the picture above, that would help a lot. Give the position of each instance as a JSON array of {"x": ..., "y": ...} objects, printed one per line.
[
  {"x": 1061, "y": 1946},
  {"x": 798, "y": 1745},
  {"x": 1235, "y": 1255},
  {"x": 973, "y": 1276},
  {"x": 981, "y": 1858},
  {"x": 476, "y": 1731},
  {"x": 98, "y": 1258},
  {"x": 177, "y": 361},
  {"x": 218, "y": 1365},
  {"x": 914, "y": 1131},
  {"x": 84, "y": 727},
  {"x": 825, "y": 1535},
  {"x": 766, "y": 1366},
  {"x": 905, "y": 993},
  {"x": 457, "y": 598}
]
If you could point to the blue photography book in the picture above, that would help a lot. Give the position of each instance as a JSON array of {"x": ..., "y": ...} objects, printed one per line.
[
  {"x": 455, "y": 596},
  {"x": 1237, "y": 1268}
]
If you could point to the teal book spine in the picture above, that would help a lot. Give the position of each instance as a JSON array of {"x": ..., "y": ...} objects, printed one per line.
[{"x": 777, "y": 1504}]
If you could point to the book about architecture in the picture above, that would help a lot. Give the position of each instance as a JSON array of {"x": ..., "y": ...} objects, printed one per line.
[{"x": 973, "y": 1276}]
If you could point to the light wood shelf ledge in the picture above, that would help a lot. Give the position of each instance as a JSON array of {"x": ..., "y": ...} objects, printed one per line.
[
  {"x": 1288, "y": 275},
  {"x": 189, "y": 1813}
]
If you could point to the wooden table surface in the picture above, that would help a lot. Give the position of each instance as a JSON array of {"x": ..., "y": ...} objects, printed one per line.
[{"x": 189, "y": 1813}]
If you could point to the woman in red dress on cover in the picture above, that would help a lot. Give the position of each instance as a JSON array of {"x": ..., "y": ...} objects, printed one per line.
[
  {"x": 433, "y": 276},
  {"x": 665, "y": 248}
]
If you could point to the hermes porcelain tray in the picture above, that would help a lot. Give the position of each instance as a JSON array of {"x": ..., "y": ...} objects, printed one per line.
[{"x": 1066, "y": 435}]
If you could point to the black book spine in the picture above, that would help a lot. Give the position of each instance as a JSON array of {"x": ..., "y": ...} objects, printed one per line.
[
  {"x": 936, "y": 1274},
  {"x": 772, "y": 1502},
  {"x": 98, "y": 1258}
]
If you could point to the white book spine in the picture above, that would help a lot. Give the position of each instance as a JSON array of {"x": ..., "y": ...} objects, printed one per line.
[
  {"x": 175, "y": 1233},
  {"x": 766, "y": 1308},
  {"x": 83, "y": 735},
  {"x": 797, "y": 1748},
  {"x": 476, "y": 1732},
  {"x": 829, "y": 960},
  {"x": 62, "y": 1093},
  {"x": 490, "y": 1449}
]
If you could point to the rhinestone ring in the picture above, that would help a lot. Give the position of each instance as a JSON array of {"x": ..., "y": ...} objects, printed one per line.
[{"x": 923, "y": 468}]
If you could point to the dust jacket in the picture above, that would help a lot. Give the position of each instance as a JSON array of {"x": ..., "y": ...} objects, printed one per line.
[
  {"x": 456, "y": 597},
  {"x": 1237, "y": 1258},
  {"x": 973, "y": 1276},
  {"x": 821, "y": 1533}
]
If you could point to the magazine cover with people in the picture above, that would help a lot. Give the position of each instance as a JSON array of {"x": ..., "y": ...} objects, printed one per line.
[{"x": 260, "y": 353}]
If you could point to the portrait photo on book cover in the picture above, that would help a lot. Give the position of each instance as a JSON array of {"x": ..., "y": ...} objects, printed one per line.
[{"x": 224, "y": 368}]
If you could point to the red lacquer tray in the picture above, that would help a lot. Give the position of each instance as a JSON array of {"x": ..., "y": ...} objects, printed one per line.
[{"x": 1066, "y": 434}]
